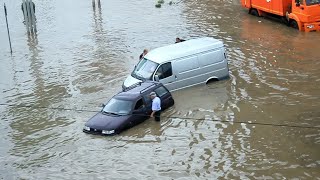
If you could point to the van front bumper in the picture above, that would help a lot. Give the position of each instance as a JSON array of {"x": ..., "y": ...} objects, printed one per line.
[{"x": 309, "y": 27}]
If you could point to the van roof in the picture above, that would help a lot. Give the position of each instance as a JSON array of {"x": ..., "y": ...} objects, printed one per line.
[{"x": 185, "y": 48}]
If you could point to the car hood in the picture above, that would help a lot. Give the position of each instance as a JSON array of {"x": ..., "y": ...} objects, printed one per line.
[
  {"x": 106, "y": 122},
  {"x": 130, "y": 81}
]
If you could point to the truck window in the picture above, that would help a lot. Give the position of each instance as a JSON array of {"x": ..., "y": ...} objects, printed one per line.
[
  {"x": 312, "y": 2},
  {"x": 161, "y": 91},
  {"x": 164, "y": 71}
]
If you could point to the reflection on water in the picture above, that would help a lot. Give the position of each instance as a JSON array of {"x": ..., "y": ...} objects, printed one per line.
[{"x": 80, "y": 57}]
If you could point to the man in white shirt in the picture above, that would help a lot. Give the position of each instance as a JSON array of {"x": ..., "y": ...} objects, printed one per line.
[{"x": 156, "y": 106}]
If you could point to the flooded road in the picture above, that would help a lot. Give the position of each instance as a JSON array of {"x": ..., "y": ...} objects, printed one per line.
[{"x": 262, "y": 123}]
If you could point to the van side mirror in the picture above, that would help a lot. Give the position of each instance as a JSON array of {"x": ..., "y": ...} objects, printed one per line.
[{"x": 156, "y": 78}]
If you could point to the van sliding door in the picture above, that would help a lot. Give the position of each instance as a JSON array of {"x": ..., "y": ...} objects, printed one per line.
[{"x": 186, "y": 71}]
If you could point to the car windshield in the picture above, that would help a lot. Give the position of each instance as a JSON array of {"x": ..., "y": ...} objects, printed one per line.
[
  {"x": 118, "y": 107},
  {"x": 312, "y": 2},
  {"x": 144, "y": 69}
]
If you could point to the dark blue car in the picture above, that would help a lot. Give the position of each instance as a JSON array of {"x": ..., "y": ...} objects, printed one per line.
[{"x": 128, "y": 108}]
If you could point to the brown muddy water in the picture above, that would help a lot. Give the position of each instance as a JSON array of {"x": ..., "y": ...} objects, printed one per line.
[{"x": 80, "y": 58}]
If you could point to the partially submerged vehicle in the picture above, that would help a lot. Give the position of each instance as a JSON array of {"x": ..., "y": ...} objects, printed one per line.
[
  {"x": 128, "y": 108},
  {"x": 299, "y": 14},
  {"x": 184, "y": 64}
]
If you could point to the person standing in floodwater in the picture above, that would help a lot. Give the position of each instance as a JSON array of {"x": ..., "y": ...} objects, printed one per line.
[
  {"x": 156, "y": 106},
  {"x": 145, "y": 51}
]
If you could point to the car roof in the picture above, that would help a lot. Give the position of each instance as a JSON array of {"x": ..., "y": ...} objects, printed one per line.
[
  {"x": 135, "y": 91},
  {"x": 182, "y": 49}
]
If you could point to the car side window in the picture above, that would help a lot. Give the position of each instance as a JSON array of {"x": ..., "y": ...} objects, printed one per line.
[
  {"x": 161, "y": 91},
  {"x": 147, "y": 99},
  {"x": 165, "y": 70},
  {"x": 139, "y": 104}
]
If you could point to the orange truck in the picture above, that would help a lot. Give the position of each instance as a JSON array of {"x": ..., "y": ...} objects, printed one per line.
[{"x": 300, "y": 14}]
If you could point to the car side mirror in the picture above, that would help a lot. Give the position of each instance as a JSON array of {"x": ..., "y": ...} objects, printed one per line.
[{"x": 156, "y": 78}]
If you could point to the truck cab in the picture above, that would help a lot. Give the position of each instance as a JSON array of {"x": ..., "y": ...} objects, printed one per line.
[
  {"x": 299, "y": 14},
  {"x": 305, "y": 15}
]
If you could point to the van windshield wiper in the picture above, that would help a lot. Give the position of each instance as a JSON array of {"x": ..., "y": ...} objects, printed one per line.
[{"x": 133, "y": 74}]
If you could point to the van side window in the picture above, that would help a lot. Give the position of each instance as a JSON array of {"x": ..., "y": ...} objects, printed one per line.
[
  {"x": 165, "y": 70},
  {"x": 139, "y": 104},
  {"x": 161, "y": 91}
]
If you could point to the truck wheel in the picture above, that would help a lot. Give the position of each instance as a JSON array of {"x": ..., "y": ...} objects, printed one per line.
[
  {"x": 294, "y": 24},
  {"x": 284, "y": 20},
  {"x": 254, "y": 12}
]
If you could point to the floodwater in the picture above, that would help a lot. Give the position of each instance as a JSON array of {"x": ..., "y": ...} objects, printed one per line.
[{"x": 262, "y": 123}]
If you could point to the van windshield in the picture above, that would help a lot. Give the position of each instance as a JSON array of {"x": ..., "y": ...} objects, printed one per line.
[{"x": 144, "y": 69}]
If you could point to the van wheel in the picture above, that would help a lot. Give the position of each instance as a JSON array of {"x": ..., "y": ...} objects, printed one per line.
[
  {"x": 212, "y": 80},
  {"x": 254, "y": 12},
  {"x": 294, "y": 24}
]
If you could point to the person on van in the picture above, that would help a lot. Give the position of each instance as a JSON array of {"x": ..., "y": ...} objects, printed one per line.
[
  {"x": 156, "y": 106},
  {"x": 179, "y": 40},
  {"x": 34, "y": 7},
  {"x": 145, "y": 51}
]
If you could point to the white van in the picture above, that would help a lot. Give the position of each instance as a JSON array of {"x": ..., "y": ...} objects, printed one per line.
[{"x": 182, "y": 65}]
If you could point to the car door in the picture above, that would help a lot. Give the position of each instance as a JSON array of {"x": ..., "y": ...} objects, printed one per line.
[
  {"x": 148, "y": 103},
  {"x": 165, "y": 96},
  {"x": 139, "y": 113}
]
